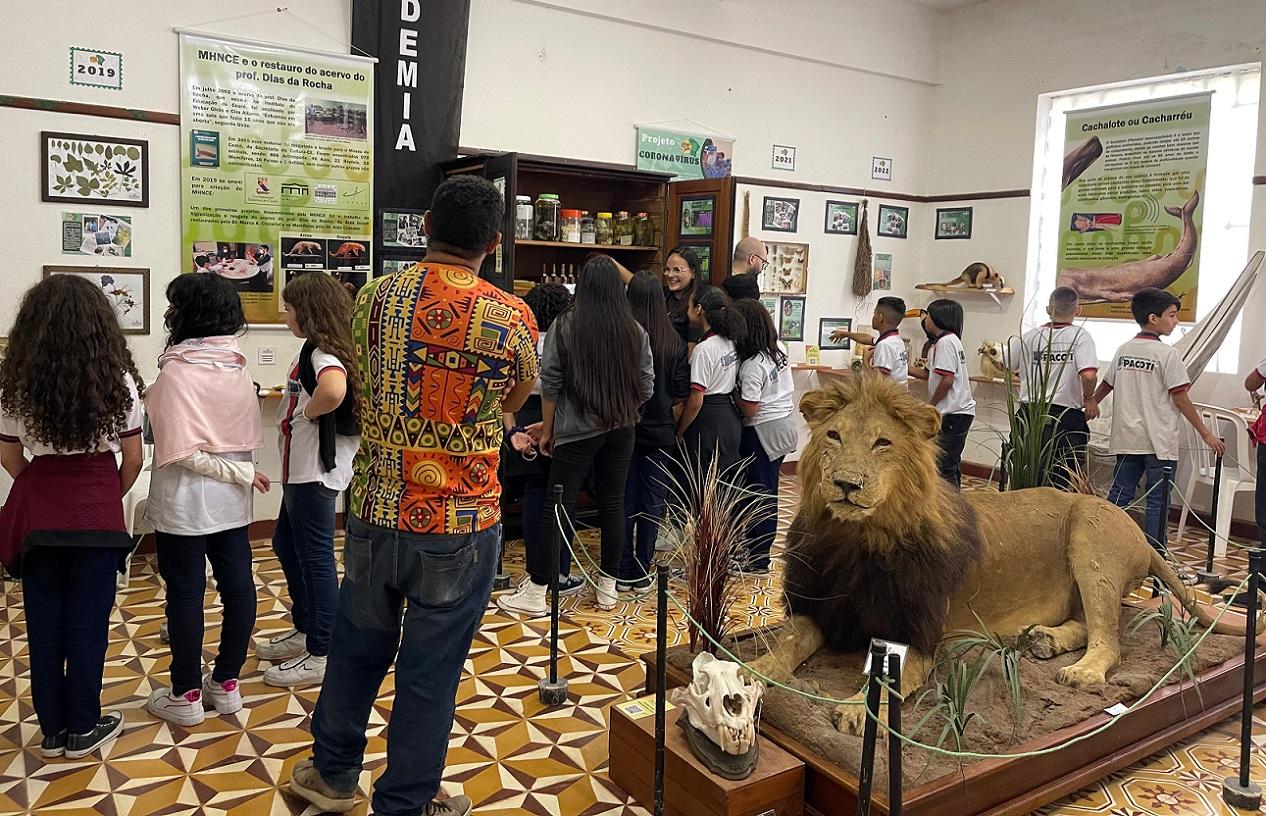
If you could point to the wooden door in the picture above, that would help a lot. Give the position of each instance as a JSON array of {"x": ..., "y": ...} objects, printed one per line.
[
  {"x": 701, "y": 216},
  {"x": 502, "y": 171}
]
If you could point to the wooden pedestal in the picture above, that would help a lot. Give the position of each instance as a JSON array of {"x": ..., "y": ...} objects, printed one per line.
[{"x": 775, "y": 788}]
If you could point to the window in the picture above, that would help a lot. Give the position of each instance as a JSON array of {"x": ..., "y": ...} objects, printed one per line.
[{"x": 1227, "y": 198}]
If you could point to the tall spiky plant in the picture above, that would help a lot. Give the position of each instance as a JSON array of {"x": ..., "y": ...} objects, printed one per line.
[
  {"x": 1033, "y": 454},
  {"x": 711, "y": 516}
]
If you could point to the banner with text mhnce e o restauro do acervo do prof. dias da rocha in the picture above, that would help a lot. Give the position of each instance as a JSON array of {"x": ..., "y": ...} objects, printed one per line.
[
  {"x": 1133, "y": 202},
  {"x": 276, "y": 165}
]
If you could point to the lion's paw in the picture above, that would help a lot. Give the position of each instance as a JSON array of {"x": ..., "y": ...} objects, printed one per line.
[
  {"x": 1042, "y": 645},
  {"x": 1079, "y": 676},
  {"x": 850, "y": 718},
  {"x": 767, "y": 666}
]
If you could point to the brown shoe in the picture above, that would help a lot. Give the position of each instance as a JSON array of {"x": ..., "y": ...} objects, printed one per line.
[
  {"x": 307, "y": 783},
  {"x": 456, "y": 806}
]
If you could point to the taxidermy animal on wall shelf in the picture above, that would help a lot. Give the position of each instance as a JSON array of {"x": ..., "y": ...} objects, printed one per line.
[
  {"x": 991, "y": 367},
  {"x": 978, "y": 275},
  {"x": 883, "y": 547}
]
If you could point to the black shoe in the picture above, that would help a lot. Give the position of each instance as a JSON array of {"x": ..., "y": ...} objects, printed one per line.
[
  {"x": 108, "y": 727},
  {"x": 570, "y": 585},
  {"x": 54, "y": 746},
  {"x": 633, "y": 584}
]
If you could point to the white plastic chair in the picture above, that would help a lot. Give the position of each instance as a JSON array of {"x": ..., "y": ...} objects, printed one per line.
[
  {"x": 1239, "y": 467},
  {"x": 134, "y": 503}
]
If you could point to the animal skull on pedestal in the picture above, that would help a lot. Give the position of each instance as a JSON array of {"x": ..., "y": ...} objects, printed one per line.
[{"x": 720, "y": 704}]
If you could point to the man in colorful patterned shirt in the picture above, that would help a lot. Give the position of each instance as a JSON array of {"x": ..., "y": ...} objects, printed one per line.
[{"x": 442, "y": 353}]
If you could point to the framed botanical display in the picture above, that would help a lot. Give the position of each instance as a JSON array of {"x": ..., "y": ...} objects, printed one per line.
[
  {"x": 791, "y": 325},
  {"x": 696, "y": 216},
  {"x": 99, "y": 169},
  {"x": 953, "y": 222},
  {"x": 127, "y": 289},
  {"x": 831, "y": 328},
  {"x": 780, "y": 214},
  {"x": 893, "y": 221},
  {"x": 841, "y": 218}
]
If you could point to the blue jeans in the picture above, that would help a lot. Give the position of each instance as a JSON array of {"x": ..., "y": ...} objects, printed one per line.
[
  {"x": 1130, "y": 468},
  {"x": 762, "y": 478},
  {"x": 67, "y": 594},
  {"x": 446, "y": 580},
  {"x": 304, "y": 543},
  {"x": 644, "y": 490}
]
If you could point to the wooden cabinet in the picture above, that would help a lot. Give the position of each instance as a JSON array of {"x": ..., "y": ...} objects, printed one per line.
[
  {"x": 580, "y": 185},
  {"x": 701, "y": 216}
]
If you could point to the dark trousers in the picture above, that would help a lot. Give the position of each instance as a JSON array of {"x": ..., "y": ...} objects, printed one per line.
[
  {"x": 644, "y": 492},
  {"x": 608, "y": 454},
  {"x": 762, "y": 479},
  {"x": 952, "y": 440},
  {"x": 447, "y": 580},
  {"x": 1070, "y": 436},
  {"x": 182, "y": 563},
  {"x": 67, "y": 595},
  {"x": 1261, "y": 493},
  {"x": 1125, "y": 481},
  {"x": 534, "y": 488},
  {"x": 304, "y": 543}
]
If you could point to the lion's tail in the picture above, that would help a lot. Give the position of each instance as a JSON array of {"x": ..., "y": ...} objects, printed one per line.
[{"x": 1161, "y": 569}]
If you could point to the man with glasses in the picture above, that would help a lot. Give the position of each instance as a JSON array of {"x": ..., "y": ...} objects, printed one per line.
[{"x": 750, "y": 259}]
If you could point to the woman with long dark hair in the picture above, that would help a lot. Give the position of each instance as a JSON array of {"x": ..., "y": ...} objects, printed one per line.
[
  {"x": 682, "y": 278},
  {"x": 648, "y": 471},
  {"x": 206, "y": 425},
  {"x": 949, "y": 386},
  {"x": 595, "y": 374},
  {"x": 709, "y": 424},
  {"x": 766, "y": 399},
  {"x": 522, "y": 467},
  {"x": 70, "y": 397}
]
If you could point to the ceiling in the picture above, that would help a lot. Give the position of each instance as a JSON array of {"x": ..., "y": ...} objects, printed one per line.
[{"x": 946, "y": 5}]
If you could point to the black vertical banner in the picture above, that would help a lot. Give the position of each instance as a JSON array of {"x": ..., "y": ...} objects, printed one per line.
[{"x": 421, "y": 51}]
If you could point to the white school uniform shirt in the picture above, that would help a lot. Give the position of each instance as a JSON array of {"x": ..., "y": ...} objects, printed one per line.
[
  {"x": 1058, "y": 353},
  {"x": 1144, "y": 375},
  {"x": 763, "y": 381},
  {"x": 299, "y": 440},
  {"x": 891, "y": 357},
  {"x": 948, "y": 358},
  {"x": 13, "y": 429},
  {"x": 714, "y": 366},
  {"x": 1261, "y": 368}
]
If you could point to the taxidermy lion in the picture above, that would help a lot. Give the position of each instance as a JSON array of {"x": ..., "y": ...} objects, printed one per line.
[{"x": 882, "y": 547}]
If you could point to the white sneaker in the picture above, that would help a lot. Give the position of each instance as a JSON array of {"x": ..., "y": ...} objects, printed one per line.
[
  {"x": 183, "y": 710},
  {"x": 528, "y": 600},
  {"x": 225, "y": 697},
  {"x": 605, "y": 595},
  {"x": 304, "y": 670},
  {"x": 286, "y": 646}
]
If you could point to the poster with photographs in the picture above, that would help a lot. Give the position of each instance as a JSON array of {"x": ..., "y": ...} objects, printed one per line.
[
  {"x": 343, "y": 120},
  {"x": 127, "y": 289},
  {"x": 108, "y": 236},
  {"x": 770, "y": 302},
  {"x": 841, "y": 218},
  {"x": 953, "y": 222},
  {"x": 403, "y": 229},
  {"x": 893, "y": 222},
  {"x": 248, "y": 266},
  {"x": 881, "y": 272},
  {"x": 704, "y": 253},
  {"x": 833, "y": 333},
  {"x": 780, "y": 214},
  {"x": 791, "y": 322},
  {"x": 696, "y": 217}
]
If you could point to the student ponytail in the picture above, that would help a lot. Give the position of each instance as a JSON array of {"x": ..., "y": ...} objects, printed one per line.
[{"x": 720, "y": 314}]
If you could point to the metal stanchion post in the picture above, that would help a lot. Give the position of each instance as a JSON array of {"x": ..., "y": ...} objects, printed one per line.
[
  {"x": 501, "y": 580},
  {"x": 551, "y": 690},
  {"x": 661, "y": 661},
  {"x": 1213, "y": 512},
  {"x": 866, "y": 776},
  {"x": 894, "y": 741},
  {"x": 1002, "y": 467},
  {"x": 1242, "y": 792},
  {"x": 1162, "y": 532}
]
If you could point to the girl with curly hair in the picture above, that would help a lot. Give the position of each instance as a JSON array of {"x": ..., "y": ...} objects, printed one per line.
[
  {"x": 70, "y": 396},
  {"x": 318, "y": 435},
  {"x": 205, "y": 419}
]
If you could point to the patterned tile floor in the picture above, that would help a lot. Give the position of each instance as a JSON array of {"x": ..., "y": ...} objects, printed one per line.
[{"x": 505, "y": 752}]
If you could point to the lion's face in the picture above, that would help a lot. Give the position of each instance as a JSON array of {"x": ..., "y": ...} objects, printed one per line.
[{"x": 871, "y": 442}]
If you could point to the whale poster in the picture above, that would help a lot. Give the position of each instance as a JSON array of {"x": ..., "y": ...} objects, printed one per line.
[
  {"x": 276, "y": 161},
  {"x": 1131, "y": 211}
]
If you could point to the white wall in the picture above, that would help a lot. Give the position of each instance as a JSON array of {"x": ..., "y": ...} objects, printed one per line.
[{"x": 150, "y": 82}]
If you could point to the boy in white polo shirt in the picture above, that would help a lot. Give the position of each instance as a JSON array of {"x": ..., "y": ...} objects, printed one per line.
[
  {"x": 1058, "y": 367},
  {"x": 1150, "y": 383},
  {"x": 949, "y": 385},
  {"x": 891, "y": 357}
]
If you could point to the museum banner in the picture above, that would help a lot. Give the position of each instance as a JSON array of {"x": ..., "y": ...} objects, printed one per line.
[
  {"x": 686, "y": 155},
  {"x": 276, "y": 166},
  {"x": 1131, "y": 210}
]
